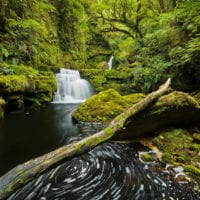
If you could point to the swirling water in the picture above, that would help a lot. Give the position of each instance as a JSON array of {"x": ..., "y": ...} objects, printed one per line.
[{"x": 109, "y": 171}]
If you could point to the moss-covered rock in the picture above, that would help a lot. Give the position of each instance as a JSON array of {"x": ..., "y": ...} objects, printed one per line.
[
  {"x": 146, "y": 157},
  {"x": 23, "y": 84},
  {"x": 174, "y": 100},
  {"x": 104, "y": 106},
  {"x": 12, "y": 83},
  {"x": 174, "y": 109}
]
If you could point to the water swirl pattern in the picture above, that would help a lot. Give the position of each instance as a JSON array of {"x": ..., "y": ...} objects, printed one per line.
[{"x": 109, "y": 171}]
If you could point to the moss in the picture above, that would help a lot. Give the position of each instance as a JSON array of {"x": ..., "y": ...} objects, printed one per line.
[
  {"x": 174, "y": 100},
  {"x": 146, "y": 157},
  {"x": 134, "y": 98},
  {"x": 193, "y": 171},
  {"x": 102, "y": 79},
  {"x": 194, "y": 147},
  {"x": 27, "y": 83},
  {"x": 104, "y": 106},
  {"x": 12, "y": 83},
  {"x": 15, "y": 102},
  {"x": 9, "y": 188},
  {"x": 197, "y": 96},
  {"x": 2, "y": 106},
  {"x": 177, "y": 146},
  {"x": 31, "y": 100},
  {"x": 101, "y": 107},
  {"x": 196, "y": 137},
  {"x": 109, "y": 131}
]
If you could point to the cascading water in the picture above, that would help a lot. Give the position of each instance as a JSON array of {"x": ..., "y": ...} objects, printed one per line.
[
  {"x": 71, "y": 88},
  {"x": 110, "y": 62}
]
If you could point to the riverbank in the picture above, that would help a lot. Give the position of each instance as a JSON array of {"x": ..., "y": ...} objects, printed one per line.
[{"x": 23, "y": 85}]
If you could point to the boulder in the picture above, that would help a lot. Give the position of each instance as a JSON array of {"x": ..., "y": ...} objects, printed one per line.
[
  {"x": 104, "y": 106},
  {"x": 174, "y": 109}
]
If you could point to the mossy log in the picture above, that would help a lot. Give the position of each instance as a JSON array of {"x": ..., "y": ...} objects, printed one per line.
[{"x": 23, "y": 173}]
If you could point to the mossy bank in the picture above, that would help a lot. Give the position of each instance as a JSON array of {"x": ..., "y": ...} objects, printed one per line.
[
  {"x": 181, "y": 147},
  {"x": 23, "y": 85}
]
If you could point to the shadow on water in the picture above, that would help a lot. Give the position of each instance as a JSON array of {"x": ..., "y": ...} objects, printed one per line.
[{"x": 33, "y": 132}]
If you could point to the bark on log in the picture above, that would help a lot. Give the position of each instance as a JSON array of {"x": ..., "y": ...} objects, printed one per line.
[{"x": 24, "y": 173}]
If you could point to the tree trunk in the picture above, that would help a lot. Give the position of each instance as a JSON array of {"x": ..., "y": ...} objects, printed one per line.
[{"x": 24, "y": 173}]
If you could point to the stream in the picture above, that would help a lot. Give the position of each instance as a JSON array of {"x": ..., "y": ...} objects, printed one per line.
[{"x": 110, "y": 171}]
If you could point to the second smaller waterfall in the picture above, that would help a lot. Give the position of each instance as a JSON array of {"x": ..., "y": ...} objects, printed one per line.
[
  {"x": 110, "y": 62},
  {"x": 71, "y": 88}
]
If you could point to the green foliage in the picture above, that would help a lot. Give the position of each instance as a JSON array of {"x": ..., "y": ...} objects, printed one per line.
[
  {"x": 4, "y": 52},
  {"x": 157, "y": 39},
  {"x": 31, "y": 33},
  {"x": 147, "y": 78},
  {"x": 73, "y": 29},
  {"x": 105, "y": 79},
  {"x": 23, "y": 84}
]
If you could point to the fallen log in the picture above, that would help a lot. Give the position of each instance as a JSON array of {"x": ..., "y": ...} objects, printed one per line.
[{"x": 24, "y": 173}]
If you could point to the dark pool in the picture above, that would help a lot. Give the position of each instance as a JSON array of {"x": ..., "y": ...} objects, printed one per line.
[{"x": 34, "y": 131}]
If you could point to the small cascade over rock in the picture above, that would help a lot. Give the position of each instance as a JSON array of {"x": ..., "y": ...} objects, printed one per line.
[
  {"x": 71, "y": 87},
  {"x": 110, "y": 62}
]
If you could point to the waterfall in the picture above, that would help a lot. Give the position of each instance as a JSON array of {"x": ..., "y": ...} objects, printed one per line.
[
  {"x": 110, "y": 62},
  {"x": 71, "y": 87}
]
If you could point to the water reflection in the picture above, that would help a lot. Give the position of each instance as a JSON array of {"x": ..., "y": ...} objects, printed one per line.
[{"x": 34, "y": 131}]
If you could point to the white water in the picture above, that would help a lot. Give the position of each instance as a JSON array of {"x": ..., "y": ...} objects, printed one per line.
[
  {"x": 71, "y": 87},
  {"x": 110, "y": 62}
]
